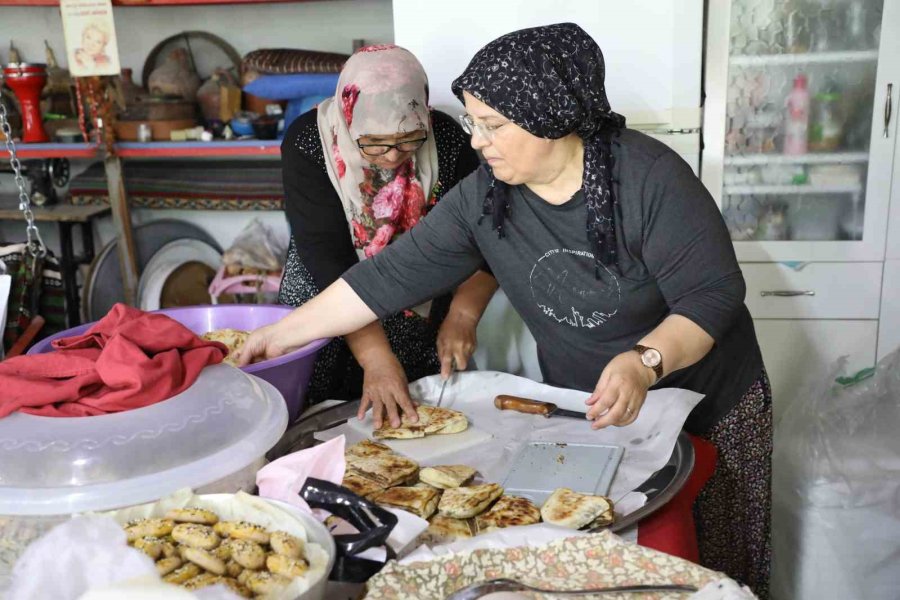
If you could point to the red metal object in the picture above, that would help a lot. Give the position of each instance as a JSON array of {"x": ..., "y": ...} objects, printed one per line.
[
  {"x": 27, "y": 80},
  {"x": 56, "y": 151},
  {"x": 150, "y": 2},
  {"x": 671, "y": 529},
  {"x": 198, "y": 149}
]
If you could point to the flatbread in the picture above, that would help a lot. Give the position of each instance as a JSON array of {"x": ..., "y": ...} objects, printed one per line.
[
  {"x": 361, "y": 486},
  {"x": 432, "y": 420},
  {"x": 570, "y": 509},
  {"x": 386, "y": 470},
  {"x": 447, "y": 476},
  {"x": 606, "y": 519},
  {"x": 467, "y": 502},
  {"x": 367, "y": 448},
  {"x": 233, "y": 339},
  {"x": 445, "y": 530},
  {"x": 508, "y": 511},
  {"x": 420, "y": 501}
]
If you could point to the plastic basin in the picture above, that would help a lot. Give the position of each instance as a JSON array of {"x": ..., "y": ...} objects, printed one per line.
[{"x": 290, "y": 373}]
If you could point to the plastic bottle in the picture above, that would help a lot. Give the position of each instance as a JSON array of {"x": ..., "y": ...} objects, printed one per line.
[{"x": 796, "y": 125}]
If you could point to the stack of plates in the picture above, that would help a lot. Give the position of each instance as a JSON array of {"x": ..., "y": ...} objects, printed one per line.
[{"x": 178, "y": 275}]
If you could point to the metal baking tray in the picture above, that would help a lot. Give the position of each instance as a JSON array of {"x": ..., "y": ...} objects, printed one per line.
[
  {"x": 542, "y": 467},
  {"x": 659, "y": 487}
]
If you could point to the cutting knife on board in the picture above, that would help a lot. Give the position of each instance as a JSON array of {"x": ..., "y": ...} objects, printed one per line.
[
  {"x": 446, "y": 381},
  {"x": 535, "y": 407}
]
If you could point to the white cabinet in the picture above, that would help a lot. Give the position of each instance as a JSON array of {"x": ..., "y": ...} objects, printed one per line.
[
  {"x": 827, "y": 198},
  {"x": 810, "y": 220},
  {"x": 889, "y": 325}
]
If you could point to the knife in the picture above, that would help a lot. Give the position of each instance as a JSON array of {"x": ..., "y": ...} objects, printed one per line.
[
  {"x": 535, "y": 407},
  {"x": 446, "y": 381}
]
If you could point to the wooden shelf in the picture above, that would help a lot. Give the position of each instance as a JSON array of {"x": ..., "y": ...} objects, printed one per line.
[
  {"x": 234, "y": 149},
  {"x": 152, "y": 2}
]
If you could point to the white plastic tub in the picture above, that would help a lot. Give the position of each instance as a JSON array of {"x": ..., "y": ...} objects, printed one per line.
[{"x": 211, "y": 438}]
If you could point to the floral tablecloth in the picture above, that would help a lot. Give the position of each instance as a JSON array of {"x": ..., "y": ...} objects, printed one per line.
[{"x": 592, "y": 561}]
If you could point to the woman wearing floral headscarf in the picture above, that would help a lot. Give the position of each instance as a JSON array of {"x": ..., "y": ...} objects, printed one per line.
[
  {"x": 358, "y": 172},
  {"x": 613, "y": 253}
]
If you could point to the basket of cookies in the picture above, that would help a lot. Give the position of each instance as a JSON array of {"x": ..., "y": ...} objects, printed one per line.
[
  {"x": 229, "y": 545},
  {"x": 254, "y": 546}
]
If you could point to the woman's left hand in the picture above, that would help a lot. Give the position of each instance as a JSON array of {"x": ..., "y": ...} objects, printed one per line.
[
  {"x": 620, "y": 392},
  {"x": 456, "y": 342}
]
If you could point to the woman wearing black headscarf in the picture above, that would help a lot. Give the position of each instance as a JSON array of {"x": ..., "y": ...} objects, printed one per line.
[{"x": 613, "y": 253}]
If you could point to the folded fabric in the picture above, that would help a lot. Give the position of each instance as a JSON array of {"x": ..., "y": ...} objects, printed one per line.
[
  {"x": 290, "y": 60},
  {"x": 127, "y": 360},
  {"x": 286, "y": 87}
]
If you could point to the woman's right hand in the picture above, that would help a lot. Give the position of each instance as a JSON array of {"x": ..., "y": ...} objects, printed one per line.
[
  {"x": 263, "y": 343},
  {"x": 386, "y": 390}
]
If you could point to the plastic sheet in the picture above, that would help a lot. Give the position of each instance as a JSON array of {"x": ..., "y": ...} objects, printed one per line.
[
  {"x": 256, "y": 247},
  {"x": 836, "y": 480}
]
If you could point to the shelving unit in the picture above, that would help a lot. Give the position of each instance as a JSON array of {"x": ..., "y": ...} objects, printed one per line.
[
  {"x": 810, "y": 58},
  {"x": 823, "y": 158},
  {"x": 772, "y": 190}
]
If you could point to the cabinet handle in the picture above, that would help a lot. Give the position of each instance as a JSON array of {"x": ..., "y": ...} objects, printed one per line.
[
  {"x": 887, "y": 108},
  {"x": 787, "y": 293}
]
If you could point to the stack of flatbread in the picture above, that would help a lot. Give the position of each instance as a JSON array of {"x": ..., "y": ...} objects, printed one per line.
[
  {"x": 432, "y": 421},
  {"x": 455, "y": 507},
  {"x": 233, "y": 339}
]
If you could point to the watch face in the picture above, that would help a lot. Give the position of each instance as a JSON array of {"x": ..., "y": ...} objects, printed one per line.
[{"x": 651, "y": 357}]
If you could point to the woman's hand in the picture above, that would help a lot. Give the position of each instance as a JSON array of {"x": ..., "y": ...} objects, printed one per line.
[
  {"x": 263, "y": 343},
  {"x": 386, "y": 390},
  {"x": 456, "y": 342},
  {"x": 620, "y": 392}
]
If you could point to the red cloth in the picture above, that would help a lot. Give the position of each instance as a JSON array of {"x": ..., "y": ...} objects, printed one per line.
[
  {"x": 671, "y": 529},
  {"x": 127, "y": 360}
]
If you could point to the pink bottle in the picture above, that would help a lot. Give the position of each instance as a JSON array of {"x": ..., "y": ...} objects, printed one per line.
[{"x": 796, "y": 125}]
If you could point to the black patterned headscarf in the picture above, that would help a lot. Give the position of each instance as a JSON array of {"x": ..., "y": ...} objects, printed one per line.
[{"x": 549, "y": 81}]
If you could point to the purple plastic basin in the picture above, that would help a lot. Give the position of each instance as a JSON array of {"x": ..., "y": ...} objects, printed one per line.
[{"x": 289, "y": 373}]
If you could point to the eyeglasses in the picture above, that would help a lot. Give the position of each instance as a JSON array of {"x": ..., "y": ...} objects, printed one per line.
[
  {"x": 486, "y": 131},
  {"x": 382, "y": 149}
]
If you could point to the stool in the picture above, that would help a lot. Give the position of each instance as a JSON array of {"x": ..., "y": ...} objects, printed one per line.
[
  {"x": 671, "y": 529},
  {"x": 66, "y": 217}
]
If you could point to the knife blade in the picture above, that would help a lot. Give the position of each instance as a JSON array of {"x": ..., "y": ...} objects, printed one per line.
[
  {"x": 535, "y": 407},
  {"x": 446, "y": 381}
]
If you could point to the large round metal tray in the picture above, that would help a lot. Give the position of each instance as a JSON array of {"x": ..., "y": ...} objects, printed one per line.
[
  {"x": 661, "y": 487},
  {"x": 103, "y": 284}
]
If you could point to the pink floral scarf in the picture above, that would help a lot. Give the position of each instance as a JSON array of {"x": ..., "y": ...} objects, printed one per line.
[{"x": 382, "y": 90}]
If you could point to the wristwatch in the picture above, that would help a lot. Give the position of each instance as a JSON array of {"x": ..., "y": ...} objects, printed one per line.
[{"x": 651, "y": 358}]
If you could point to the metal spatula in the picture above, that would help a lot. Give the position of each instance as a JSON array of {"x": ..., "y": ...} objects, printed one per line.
[{"x": 477, "y": 590}]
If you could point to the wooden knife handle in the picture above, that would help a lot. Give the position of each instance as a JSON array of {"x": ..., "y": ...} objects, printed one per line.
[{"x": 524, "y": 405}]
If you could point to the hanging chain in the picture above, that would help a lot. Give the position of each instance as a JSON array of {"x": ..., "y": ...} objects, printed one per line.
[{"x": 35, "y": 242}]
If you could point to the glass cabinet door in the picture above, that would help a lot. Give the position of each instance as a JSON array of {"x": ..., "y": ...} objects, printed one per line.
[{"x": 799, "y": 109}]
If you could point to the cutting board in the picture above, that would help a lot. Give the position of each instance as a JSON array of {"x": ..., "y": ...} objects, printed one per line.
[{"x": 427, "y": 450}]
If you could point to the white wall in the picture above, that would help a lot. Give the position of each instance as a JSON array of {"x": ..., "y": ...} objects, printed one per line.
[
  {"x": 328, "y": 25},
  {"x": 652, "y": 47}
]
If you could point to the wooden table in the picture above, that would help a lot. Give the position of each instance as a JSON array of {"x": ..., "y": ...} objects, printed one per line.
[{"x": 66, "y": 217}]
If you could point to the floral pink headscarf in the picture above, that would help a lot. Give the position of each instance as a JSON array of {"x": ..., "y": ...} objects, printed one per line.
[{"x": 382, "y": 90}]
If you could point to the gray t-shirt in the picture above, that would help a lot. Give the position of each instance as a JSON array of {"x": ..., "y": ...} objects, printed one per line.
[{"x": 675, "y": 257}]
